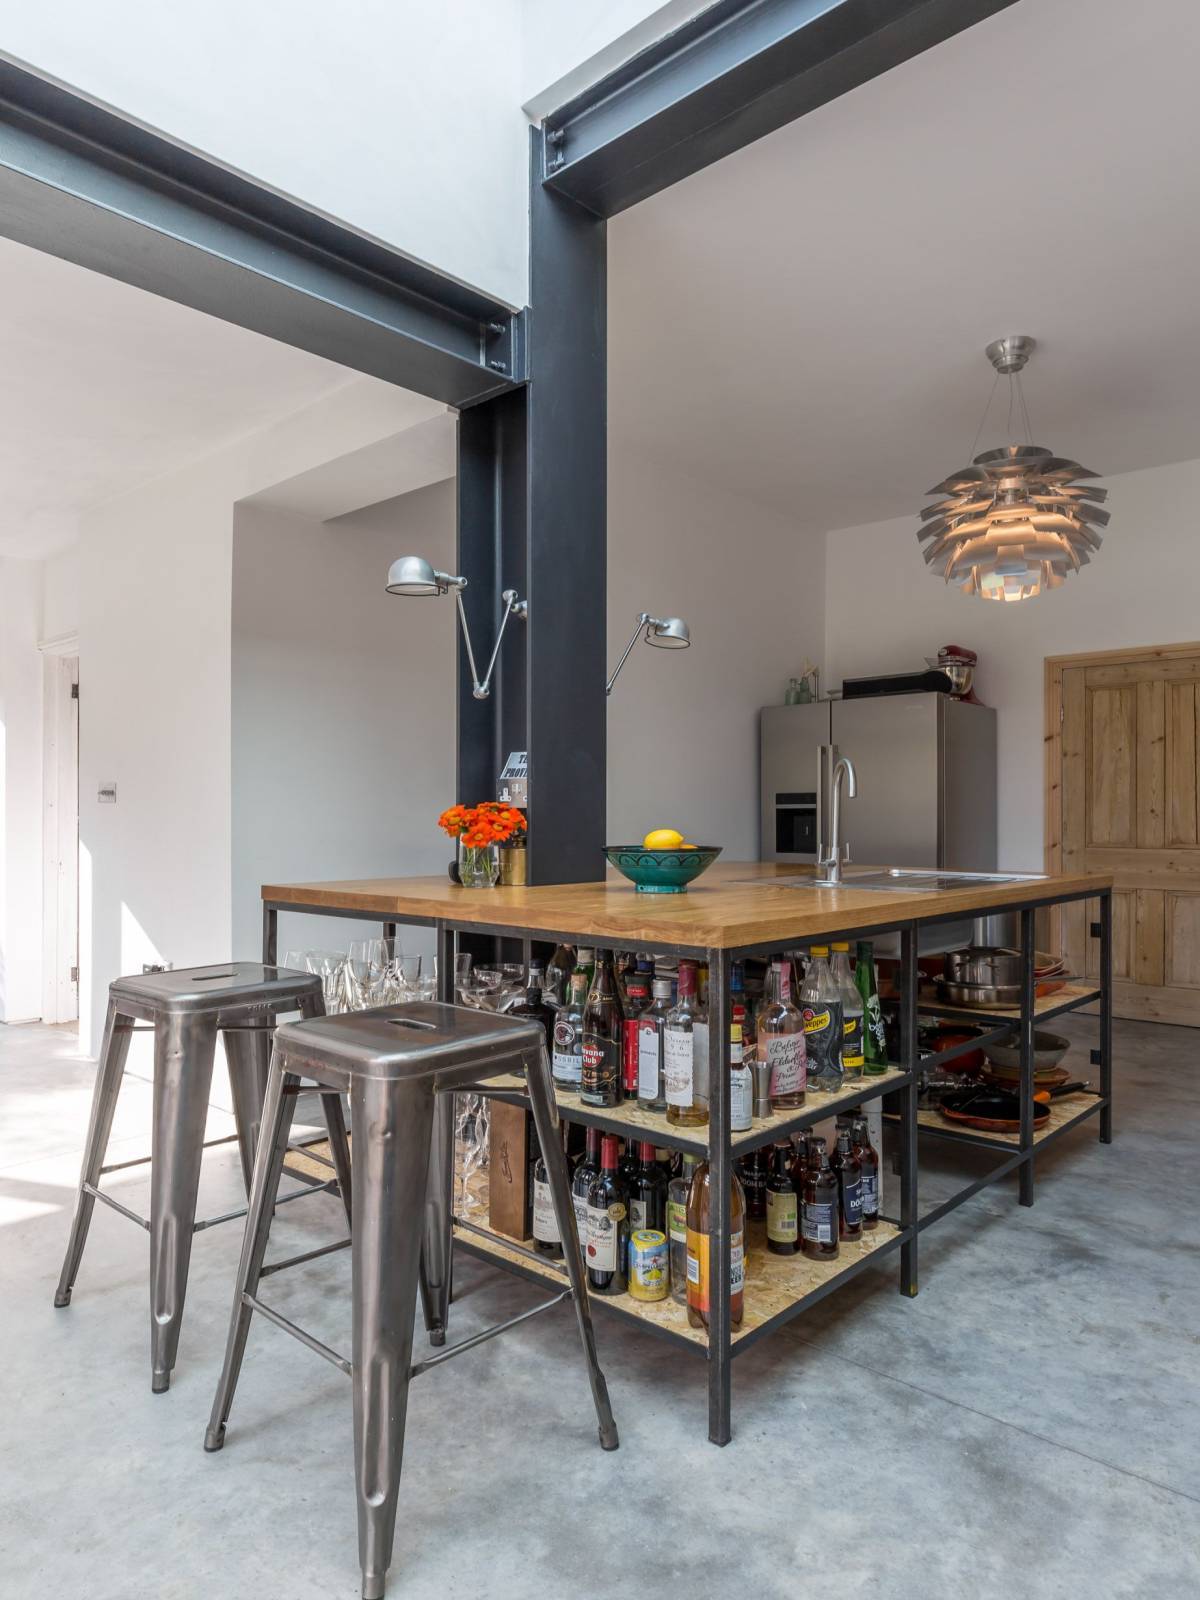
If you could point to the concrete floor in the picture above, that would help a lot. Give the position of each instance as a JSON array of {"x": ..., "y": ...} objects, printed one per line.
[{"x": 1028, "y": 1427}]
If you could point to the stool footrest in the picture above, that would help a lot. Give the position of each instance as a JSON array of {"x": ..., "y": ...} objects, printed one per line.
[
  {"x": 99, "y": 1194},
  {"x": 141, "y": 1161},
  {"x": 488, "y": 1333},
  {"x": 280, "y": 1200},
  {"x": 510, "y": 1244},
  {"x": 309, "y": 1255},
  {"x": 298, "y": 1333}
]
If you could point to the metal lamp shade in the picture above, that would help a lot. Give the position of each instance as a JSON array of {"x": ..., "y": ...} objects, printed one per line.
[
  {"x": 1015, "y": 522},
  {"x": 669, "y": 633},
  {"x": 413, "y": 575}
]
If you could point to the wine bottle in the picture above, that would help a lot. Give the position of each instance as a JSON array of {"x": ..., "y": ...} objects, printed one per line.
[
  {"x": 699, "y": 1249},
  {"x": 603, "y": 1036},
  {"x": 647, "y": 1196},
  {"x": 607, "y": 1225},
  {"x": 819, "y": 1206},
  {"x": 547, "y": 1237},
  {"x": 685, "y": 1108},
  {"x": 783, "y": 1221},
  {"x": 582, "y": 1179}
]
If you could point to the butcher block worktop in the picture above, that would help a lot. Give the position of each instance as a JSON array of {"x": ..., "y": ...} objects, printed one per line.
[{"x": 735, "y": 904}]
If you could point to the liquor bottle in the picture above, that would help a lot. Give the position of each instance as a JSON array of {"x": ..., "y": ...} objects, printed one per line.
[
  {"x": 852, "y": 1013},
  {"x": 684, "y": 1106},
  {"x": 603, "y": 1036},
  {"x": 651, "y": 1085},
  {"x": 582, "y": 1179},
  {"x": 699, "y": 1249},
  {"x": 740, "y": 1009},
  {"x": 821, "y": 1006},
  {"x": 700, "y": 1037},
  {"x": 678, "y": 1190},
  {"x": 567, "y": 1061},
  {"x": 547, "y": 1237},
  {"x": 783, "y": 1206},
  {"x": 874, "y": 1040},
  {"x": 585, "y": 962},
  {"x": 781, "y": 1042},
  {"x": 607, "y": 1224},
  {"x": 628, "y": 1164},
  {"x": 819, "y": 1205},
  {"x": 754, "y": 1184},
  {"x": 868, "y": 1160},
  {"x": 800, "y": 1163},
  {"x": 848, "y": 1171},
  {"x": 637, "y": 1001},
  {"x": 558, "y": 976},
  {"x": 741, "y": 1083},
  {"x": 531, "y": 1007},
  {"x": 648, "y": 1196},
  {"x": 668, "y": 1161}
]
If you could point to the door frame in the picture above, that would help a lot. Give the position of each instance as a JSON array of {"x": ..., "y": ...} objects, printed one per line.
[
  {"x": 1055, "y": 666},
  {"x": 60, "y": 829}
]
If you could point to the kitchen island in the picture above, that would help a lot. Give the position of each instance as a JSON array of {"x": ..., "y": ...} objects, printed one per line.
[{"x": 752, "y": 909}]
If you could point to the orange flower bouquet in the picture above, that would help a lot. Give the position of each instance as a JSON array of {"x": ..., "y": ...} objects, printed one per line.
[{"x": 480, "y": 830}]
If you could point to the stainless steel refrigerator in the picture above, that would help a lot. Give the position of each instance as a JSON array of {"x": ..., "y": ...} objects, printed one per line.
[{"x": 926, "y": 767}]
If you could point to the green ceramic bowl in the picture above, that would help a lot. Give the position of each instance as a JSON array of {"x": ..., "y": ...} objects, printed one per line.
[{"x": 661, "y": 871}]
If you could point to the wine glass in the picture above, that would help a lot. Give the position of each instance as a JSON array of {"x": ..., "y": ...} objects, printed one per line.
[
  {"x": 330, "y": 967},
  {"x": 367, "y": 972}
]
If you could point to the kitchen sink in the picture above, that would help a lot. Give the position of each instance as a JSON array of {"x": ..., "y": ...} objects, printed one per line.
[{"x": 919, "y": 880}]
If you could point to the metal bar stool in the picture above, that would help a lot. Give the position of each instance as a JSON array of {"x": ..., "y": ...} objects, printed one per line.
[
  {"x": 187, "y": 1009},
  {"x": 394, "y": 1062}
]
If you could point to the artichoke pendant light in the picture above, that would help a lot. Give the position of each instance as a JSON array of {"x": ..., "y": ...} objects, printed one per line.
[{"x": 1019, "y": 519}]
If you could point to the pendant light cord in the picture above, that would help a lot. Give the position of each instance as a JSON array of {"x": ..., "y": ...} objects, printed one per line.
[{"x": 984, "y": 417}]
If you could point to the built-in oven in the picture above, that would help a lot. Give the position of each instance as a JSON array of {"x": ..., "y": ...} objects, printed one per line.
[{"x": 796, "y": 822}]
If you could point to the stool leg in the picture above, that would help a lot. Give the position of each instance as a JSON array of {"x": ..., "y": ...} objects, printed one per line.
[
  {"x": 278, "y": 1110},
  {"x": 110, "y": 1069},
  {"x": 184, "y": 1050},
  {"x": 339, "y": 1150},
  {"x": 390, "y": 1125},
  {"x": 437, "y": 1253},
  {"x": 248, "y": 1055},
  {"x": 545, "y": 1117}
]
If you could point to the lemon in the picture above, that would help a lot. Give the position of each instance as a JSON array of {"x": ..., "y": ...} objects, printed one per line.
[{"x": 662, "y": 839}]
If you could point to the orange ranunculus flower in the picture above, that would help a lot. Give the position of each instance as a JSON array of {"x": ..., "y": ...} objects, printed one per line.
[{"x": 490, "y": 822}]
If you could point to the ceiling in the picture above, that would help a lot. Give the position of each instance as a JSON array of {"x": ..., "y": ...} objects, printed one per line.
[
  {"x": 804, "y": 322},
  {"x": 103, "y": 387}
]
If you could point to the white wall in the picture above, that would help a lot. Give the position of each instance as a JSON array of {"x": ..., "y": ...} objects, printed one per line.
[
  {"x": 343, "y": 707},
  {"x": 20, "y": 791},
  {"x": 885, "y": 612},
  {"x": 60, "y": 596},
  {"x": 683, "y": 724},
  {"x": 400, "y": 117},
  {"x": 566, "y": 47}
]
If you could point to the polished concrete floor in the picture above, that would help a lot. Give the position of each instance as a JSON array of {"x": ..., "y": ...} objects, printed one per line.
[{"x": 1028, "y": 1427}]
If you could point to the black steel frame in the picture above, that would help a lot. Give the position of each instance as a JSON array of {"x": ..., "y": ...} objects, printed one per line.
[{"x": 721, "y": 1145}]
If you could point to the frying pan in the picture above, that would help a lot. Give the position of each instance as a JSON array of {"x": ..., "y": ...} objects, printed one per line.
[{"x": 999, "y": 1110}]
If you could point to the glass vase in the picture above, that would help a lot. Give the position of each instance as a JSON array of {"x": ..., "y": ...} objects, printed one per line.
[{"x": 478, "y": 865}]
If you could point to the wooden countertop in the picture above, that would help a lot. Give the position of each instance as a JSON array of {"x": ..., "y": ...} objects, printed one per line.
[{"x": 735, "y": 903}]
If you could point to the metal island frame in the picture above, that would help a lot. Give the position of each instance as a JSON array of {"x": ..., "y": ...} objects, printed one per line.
[{"x": 754, "y": 909}]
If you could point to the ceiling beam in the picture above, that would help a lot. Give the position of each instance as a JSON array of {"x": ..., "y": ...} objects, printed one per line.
[
  {"x": 738, "y": 71},
  {"x": 81, "y": 182}
]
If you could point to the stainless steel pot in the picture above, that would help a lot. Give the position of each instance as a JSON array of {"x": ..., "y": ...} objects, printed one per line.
[
  {"x": 983, "y": 964},
  {"x": 984, "y": 995}
]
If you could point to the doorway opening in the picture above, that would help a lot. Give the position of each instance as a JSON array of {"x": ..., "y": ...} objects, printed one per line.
[{"x": 60, "y": 832}]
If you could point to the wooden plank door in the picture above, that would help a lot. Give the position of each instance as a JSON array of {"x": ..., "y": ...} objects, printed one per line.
[{"x": 1129, "y": 807}]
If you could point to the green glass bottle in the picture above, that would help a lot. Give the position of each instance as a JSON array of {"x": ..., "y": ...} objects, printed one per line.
[{"x": 874, "y": 1040}]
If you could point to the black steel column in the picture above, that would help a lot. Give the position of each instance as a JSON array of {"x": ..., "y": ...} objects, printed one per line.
[
  {"x": 1106, "y": 981},
  {"x": 910, "y": 1060},
  {"x": 720, "y": 1174},
  {"x": 1025, "y": 1088}
]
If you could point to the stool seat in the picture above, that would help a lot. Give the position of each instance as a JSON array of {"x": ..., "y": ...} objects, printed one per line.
[
  {"x": 451, "y": 1045},
  {"x": 198, "y": 991}
]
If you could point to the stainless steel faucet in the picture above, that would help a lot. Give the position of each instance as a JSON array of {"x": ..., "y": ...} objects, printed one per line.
[{"x": 829, "y": 864}]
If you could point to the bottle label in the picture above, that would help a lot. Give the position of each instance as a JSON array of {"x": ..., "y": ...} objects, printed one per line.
[
  {"x": 818, "y": 1223},
  {"x": 823, "y": 1039},
  {"x": 852, "y": 1043},
  {"x": 631, "y": 1056},
  {"x": 698, "y": 1264},
  {"x": 876, "y": 1037},
  {"x": 787, "y": 1057},
  {"x": 678, "y": 1066},
  {"x": 700, "y": 1061},
  {"x": 782, "y": 1217},
  {"x": 545, "y": 1223},
  {"x": 639, "y": 1214},
  {"x": 870, "y": 1194},
  {"x": 602, "y": 1236},
  {"x": 581, "y": 1210},
  {"x": 736, "y": 1047},
  {"x": 600, "y": 1080},
  {"x": 852, "y": 1202},
  {"x": 647, "y": 1073},
  {"x": 567, "y": 1064},
  {"x": 741, "y": 1098},
  {"x": 677, "y": 1221}
]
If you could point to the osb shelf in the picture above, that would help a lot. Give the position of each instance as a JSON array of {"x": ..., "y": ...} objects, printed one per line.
[
  {"x": 1067, "y": 998},
  {"x": 631, "y": 1120},
  {"x": 773, "y": 1283},
  {"x": 1070, "y": 1109}
]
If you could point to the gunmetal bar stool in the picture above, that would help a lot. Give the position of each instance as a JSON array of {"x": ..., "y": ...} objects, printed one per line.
[
  {"x": 187, "y": 1009},
  {"x": 393, "y": 1061}
]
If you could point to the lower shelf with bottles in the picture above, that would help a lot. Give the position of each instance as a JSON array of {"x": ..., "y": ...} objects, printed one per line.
[{"x": 776, "y": 1286}]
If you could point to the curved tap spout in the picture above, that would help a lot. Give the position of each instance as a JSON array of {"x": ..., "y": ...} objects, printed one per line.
[{"x": 831, "y": 864}]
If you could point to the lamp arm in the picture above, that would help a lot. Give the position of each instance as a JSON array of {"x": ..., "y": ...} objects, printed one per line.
[
  {"x": 512, "y": 606},
  {"x": 462, "y": 617},
  {"x": 642, "y": 621}
]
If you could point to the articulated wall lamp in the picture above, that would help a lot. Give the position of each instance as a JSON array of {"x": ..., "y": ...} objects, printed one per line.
[
  {"x": 668, "y": 633},
  {"x": 413, "y": 575}
]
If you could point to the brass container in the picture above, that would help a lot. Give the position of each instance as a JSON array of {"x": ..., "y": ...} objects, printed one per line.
[{"x": 514, "y": 866}]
